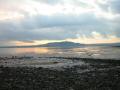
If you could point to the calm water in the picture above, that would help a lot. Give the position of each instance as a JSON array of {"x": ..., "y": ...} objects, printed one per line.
[{"x": 88, "y": 52}]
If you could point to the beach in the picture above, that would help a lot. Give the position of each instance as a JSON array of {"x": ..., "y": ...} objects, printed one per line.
[{"x": 88, "y": 74}]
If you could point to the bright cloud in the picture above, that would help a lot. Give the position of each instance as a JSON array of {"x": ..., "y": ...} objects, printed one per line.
[{"x": 96, "y": 38}]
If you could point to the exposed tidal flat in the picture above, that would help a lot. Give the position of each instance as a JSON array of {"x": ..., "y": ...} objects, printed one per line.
[{"x": 59, "y": 73}]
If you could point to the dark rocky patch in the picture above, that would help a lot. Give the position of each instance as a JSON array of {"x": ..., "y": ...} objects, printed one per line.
[{"x": 98, "y": 77}]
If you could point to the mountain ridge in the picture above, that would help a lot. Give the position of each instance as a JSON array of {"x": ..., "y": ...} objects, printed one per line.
[{"x": 64, "y": 44}]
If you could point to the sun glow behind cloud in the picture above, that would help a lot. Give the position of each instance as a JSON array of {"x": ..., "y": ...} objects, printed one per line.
[
  {"x": 34, "y": 8},
  {"x": 10, "y": 16},
  {"x": 95, "y": 38}
]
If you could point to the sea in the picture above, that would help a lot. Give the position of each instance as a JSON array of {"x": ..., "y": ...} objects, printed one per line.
[
  {"x": 83, "y": 52},
  {"x": 51, "y": 56}
]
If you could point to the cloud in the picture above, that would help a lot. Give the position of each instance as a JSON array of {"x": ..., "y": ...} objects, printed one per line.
[
  {"x": 60, "y": 20},
  {"x": 96, "y": 38},
  {"x": 37, "y": 20},
  {"x": 54, "y": 27},
  {"x": 110, "y": 5}
]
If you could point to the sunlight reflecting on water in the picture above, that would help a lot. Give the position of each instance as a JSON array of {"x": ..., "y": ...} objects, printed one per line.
[{"x": 85, "y": 52}]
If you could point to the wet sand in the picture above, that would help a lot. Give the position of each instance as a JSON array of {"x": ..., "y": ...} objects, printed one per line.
[{"x": 95, "y": 74}]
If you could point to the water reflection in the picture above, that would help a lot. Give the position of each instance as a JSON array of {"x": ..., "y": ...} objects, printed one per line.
[
  {"x": 21, "y": 51},
  {"x": 90, "y": 52}
]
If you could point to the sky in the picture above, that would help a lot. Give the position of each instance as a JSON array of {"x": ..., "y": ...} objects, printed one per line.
[{"x": 32, "y": 22}]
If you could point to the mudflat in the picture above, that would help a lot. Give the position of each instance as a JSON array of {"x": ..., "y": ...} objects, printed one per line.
[{"x": 93, "y": 75}]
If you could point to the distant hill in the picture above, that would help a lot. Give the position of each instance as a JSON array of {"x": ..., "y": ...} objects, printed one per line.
[
  {"x": 65, "y": 44},
  {"x": 72, "y": 44},
  {"x": 62, "y": 44}
]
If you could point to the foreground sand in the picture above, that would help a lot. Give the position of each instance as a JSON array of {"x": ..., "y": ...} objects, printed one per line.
[{"x": 95, "y": 75}]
